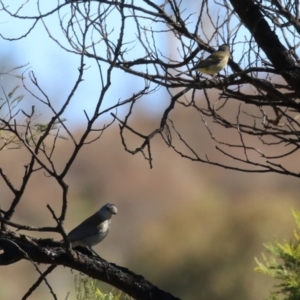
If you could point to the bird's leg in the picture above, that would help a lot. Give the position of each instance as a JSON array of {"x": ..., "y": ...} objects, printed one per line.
[{"x": 95, "y": 253}]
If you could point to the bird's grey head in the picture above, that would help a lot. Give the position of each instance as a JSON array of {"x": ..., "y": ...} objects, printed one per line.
[
  {"x": 109, "y": 209},
  {"x": 224, "y": 47}
]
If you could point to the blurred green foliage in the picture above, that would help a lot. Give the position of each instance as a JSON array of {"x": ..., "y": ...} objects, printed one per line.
[
  {"x": 18, "y": 127},
  {"x": 87, "y": 289},
  {"x": 283, "y": 263}
]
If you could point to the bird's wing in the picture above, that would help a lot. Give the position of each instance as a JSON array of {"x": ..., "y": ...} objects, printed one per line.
[
  {"x": 87, "y": 231},
  {"x": 93, "y": 220},
  {"x": 207, "y": 62},
  {"x": 84, "y": 232}
]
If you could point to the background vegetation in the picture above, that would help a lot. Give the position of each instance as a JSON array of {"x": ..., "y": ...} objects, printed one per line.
[{"x": 69, "y": 129}]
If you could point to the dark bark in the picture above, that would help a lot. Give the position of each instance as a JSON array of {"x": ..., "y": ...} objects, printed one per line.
[
  {"x": 16, "y": 247},
  {"x": 266, "y": 38}
]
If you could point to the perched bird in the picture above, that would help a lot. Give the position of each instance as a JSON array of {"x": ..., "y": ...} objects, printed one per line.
[
  {"x": 94, "y": 229},
  {"x": 214, "y": 63}
]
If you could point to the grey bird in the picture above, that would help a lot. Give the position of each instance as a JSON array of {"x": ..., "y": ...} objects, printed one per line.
[
  {"x": 214, "y": 63},
  {"x": 94, "y": 229}
]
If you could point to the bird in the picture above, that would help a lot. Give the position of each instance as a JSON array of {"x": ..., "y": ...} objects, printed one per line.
[
  {"x": 94, "y": 229},
  {"x": 214, "y": 63}
]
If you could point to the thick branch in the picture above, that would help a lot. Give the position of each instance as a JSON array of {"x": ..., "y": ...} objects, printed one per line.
[
  {"x": 50, "y": 252},
  {"x": 266, "y": 38}
]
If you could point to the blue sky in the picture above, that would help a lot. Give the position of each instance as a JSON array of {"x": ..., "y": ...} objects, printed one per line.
[{"x": 57, "y": 69}]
